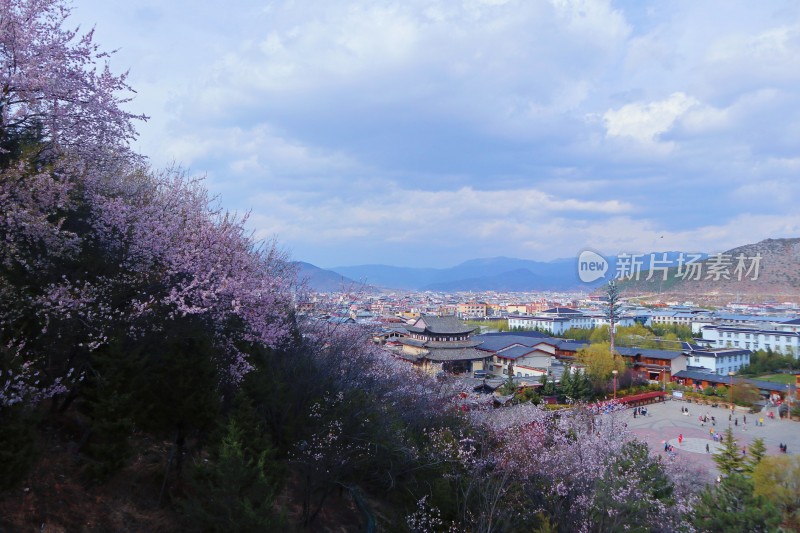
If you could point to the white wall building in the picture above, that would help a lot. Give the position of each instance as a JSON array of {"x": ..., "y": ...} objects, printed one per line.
[
  {"x": 719, "y": 360},
  {"x": 781, "y": 337},
  {"x": 559, "y": 319}
]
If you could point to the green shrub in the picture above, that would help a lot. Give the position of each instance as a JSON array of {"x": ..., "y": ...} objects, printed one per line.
[{"x": 233, "y": 491}]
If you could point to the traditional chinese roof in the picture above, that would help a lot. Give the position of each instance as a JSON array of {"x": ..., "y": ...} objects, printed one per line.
[
  {"x": 458, "y": 354},
  {"x": 440, "y": 325},
  {"x": 452, "y": 344}
]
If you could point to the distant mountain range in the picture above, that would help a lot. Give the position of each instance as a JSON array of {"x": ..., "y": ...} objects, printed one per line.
[
  {"x": 497, "y": 273},
  {"x": 779, "y": 275},
  {"x": 490, "y": 274}
]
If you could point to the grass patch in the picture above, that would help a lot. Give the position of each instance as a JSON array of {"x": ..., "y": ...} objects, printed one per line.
[{"x": 786, "y": 379}]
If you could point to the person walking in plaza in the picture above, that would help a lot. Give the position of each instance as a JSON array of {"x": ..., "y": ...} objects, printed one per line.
[{"x": 707, "y": 449}]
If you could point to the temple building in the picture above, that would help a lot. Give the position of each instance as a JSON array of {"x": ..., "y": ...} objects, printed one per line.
[{"x": 443, "y": 344}]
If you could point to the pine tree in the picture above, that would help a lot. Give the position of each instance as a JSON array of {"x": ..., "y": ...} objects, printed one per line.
[
  {"x": 583, "y": 389},
  {"x": 568, "y": 384},
  {"x": 729, "y": 459},
  {"x": 757, "y": 452},
  {"x": 732, "y": 506}
]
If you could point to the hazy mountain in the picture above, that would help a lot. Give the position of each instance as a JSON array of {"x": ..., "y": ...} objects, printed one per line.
[
  {"x": 496, "y": 273},
  {"x": 779, "y": 274},
  {"x": 390, "y": 276},
  {"x": 321, "y": 280},
  {"x": 519, "y": 280}
]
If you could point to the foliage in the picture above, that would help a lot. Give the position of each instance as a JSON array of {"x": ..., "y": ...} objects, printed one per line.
[
  {"x": 600, "y": 335},
  {"x": 777, "y": 479},
  {"x": 768, "y": 362},
  {"x": 499, "y": 325},
  {"x": 729, "y": 459},
  {"x": 53, "y": 87},
  {"x": 548, "y": 387},
  {"x": 599, "y": 363},
  {"x": 575, "y": 385},
  {"x": 732, "y": 506},
  {"x": 578, "y": 334},
  {"x": 745, "y": 394},
  {"x": 755, "y": 454},
  {"x": 528, "y": 394},
  {"x": 635, "y": 487},
  {"x": 235, "y": 490},
  {"x": 579, "y": 473}
]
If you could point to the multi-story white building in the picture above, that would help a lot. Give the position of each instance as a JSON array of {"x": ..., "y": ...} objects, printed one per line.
[
  {"x": 719, "y": 360},
  {"x": 780, "y": 337},
  {"x": 677, "y": 318},
  {"x": 557, "y": 320}
]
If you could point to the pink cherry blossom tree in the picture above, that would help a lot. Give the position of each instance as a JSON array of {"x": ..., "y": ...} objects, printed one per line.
[{"x": 57, "y": 86}]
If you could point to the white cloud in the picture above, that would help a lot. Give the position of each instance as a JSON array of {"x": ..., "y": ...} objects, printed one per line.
[
  {"x": 644, "y": 122},
  {"x": 477, "y": 126}
]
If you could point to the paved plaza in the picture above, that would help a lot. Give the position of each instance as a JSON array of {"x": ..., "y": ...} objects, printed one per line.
[{"x": 665, "y": 422}]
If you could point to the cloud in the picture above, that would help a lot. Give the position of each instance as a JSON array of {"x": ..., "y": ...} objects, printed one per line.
[
  {"x": 428, "y": 130},
  {"x": 644, "y": 122}
]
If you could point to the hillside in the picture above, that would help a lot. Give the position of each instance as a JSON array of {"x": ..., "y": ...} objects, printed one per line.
[
  {"x": 740, "y": 276},
  {"x": 321, "y": 280}
]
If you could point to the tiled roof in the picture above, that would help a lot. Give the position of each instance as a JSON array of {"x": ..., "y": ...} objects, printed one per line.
[
  {"x": 459, "y": 354},
  {"x": 494, "y": 342},
  {"x": 442, "y": 325},
  {"x": 452, "y": 344},
  {"x": 718, "y": 353},
  {"x": 515, "y": 352},
  {"x": 562, "y": 311}
]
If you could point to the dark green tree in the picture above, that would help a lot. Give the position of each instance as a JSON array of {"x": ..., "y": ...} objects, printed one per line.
[
  {"x": 729, "y": 460},
  {"x": 757, "y": 451},
  {"x": 567, "y": 385},
  {"x": 235, "y": 490},
  {"x": 732, "y": 506}
]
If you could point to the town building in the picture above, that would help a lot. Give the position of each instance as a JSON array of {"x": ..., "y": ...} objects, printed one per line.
[
  {"x": 720, "y": 361},
  {"x": 467, "y": 310},
  {"x": 442, "y": 344},
  {"x": 781, "y": 337},
  {"x": 557, "y": 320}
]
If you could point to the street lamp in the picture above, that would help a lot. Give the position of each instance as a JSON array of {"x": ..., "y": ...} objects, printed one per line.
[
  {"x": 615, "y": 383},
  {"x": 664, "y": 372}
]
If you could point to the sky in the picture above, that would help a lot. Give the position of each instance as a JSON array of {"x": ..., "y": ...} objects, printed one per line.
[{"x": 427, "y": 133}]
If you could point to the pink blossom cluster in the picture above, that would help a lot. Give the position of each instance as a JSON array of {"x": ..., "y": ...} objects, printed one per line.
[
  {"x": 93, "y": 244},
  {"x": 57, "y": 82}
]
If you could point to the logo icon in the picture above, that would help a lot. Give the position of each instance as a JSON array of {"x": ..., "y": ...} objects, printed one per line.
[{"x": 591, "y": 266}]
